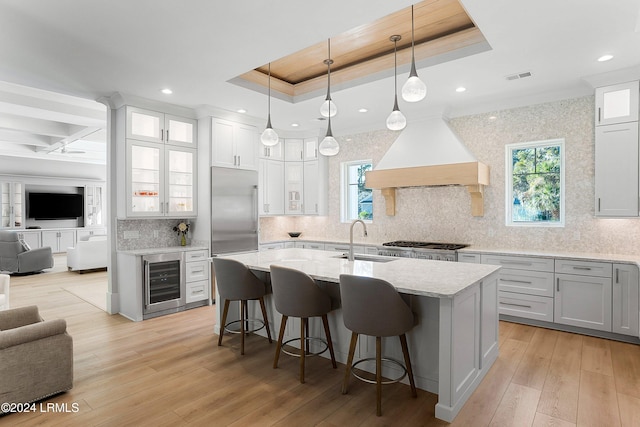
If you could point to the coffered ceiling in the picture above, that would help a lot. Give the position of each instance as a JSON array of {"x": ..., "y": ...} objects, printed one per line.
[{"x": 58, "y": 57}]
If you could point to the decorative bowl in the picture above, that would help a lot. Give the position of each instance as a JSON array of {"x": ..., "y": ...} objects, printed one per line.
[{"x": 295, "y": 233}]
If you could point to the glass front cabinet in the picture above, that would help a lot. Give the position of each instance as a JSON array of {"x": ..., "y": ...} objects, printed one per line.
[
  {"x": 94, "y": 206},
  {"x": 12, "y": 204},
  {"x": 153, "y": 126},
  {"x": 160, "y": 180}
]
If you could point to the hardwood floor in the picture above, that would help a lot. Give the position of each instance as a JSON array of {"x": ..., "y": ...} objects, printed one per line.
[{"x": 170, "y": 371}]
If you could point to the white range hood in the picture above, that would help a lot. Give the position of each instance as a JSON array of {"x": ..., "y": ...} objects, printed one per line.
[{"x": 428, "y": 153}]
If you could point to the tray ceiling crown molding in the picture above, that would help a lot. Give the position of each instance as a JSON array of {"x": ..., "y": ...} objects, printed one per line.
[{"x": 443, "y": 32}]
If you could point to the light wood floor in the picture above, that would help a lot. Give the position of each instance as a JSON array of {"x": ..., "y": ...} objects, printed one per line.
[{"x": 169, "y": 371}]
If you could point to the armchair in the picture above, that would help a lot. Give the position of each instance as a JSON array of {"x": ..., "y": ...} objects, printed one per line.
[
  {"x": 16, "y": 258},
  {"x": 4, "y": 292},
  {"x": 36, "y": 356}
]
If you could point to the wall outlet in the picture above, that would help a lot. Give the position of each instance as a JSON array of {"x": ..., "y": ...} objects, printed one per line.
[
  {"x": 132, "y": 234},
  {"x": 155, "y": 234}
]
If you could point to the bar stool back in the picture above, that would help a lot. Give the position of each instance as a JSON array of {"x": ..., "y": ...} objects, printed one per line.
[
  {"x": 296, "y": 294},
  {"x": 236, "y": 283},
  {"x": 373, "y": 307}
]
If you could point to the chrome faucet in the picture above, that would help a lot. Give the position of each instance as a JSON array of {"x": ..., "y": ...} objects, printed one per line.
[{"x": 351, "y": 236}]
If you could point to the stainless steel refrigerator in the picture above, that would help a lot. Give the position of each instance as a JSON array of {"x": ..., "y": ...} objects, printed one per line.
[{"x": 234, "y": 210}]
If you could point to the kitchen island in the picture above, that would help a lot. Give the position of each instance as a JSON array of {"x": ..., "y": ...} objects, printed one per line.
[{"x": 455, "y": 340}]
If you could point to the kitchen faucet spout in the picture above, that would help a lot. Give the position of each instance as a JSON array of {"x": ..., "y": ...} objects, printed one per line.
[{"x": 351, "y": 236}]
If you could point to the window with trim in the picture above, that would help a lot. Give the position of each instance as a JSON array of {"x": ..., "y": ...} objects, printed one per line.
[
  {"x": 356, "y": 201},
  {"x": 535, "y": 183}
]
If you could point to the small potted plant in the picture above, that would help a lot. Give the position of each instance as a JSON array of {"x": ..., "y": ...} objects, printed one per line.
[{"x": 182, "y": 229}]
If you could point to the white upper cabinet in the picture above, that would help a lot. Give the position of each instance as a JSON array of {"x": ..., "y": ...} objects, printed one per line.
[
  {"x": 293, "y": 187},
  {"x": 310, "y": 149},
  {"x": 616, "y": 170},
  {"x": 12, "y": 204},
  {"x": 153, "y": 126},
  {"x": 271, "y": 195},
  {"x": 234, "y": 145},
  {"x": 294, "y": 149},
  {"x": 275, "y": 152},
  {"x": 617, "y": 103}
]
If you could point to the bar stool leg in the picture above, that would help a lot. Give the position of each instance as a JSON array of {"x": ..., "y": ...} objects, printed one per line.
[
  {"x": 225, "y": 310},
  {"x": 347, "y": 373},
  {"x": 303, "y": 325},
  {"x": 243, "y": 317},
  {"x": 327, "y": 332},
  {"x": 407, "y": 362},
  {"x": 283, "y": 325},
  {"x": 266, "y": 320},
  {"x": 378, "y": 376}
]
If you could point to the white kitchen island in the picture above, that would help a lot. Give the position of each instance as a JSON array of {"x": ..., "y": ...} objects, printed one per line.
[{"x": 455, "y": 340}]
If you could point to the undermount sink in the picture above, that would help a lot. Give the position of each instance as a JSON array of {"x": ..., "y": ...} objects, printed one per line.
[{"x": 372, "y": 258}]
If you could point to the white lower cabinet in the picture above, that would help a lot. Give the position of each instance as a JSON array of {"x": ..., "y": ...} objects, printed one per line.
[
  {"x": 270, "y": 246},
  {"x": 32, "y": 238},
  {"x": 527, "y": 306},
  {"x": 625, "y": 300},
  {"x": 583, "y": 301},
  {"x": 197, "y": 269},
  {"x": 58, "y": 240}
]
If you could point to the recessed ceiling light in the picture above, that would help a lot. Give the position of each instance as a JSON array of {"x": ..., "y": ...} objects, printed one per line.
[
  {"x": 461, "y": 89},
  {"x": 241, "y": 110},
  {"x": 295, "y": 125},
  {"x": 167, "y": 91},
  {"x": 362, "y": 110},
  {"x": 605, "y": 58}
]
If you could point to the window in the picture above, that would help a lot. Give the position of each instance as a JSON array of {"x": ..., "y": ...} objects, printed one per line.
[
  {"x": 535, "y": 184},
  {"x": 356, "y": 200}
]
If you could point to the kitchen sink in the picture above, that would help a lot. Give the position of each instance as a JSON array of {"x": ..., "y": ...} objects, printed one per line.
[{"x": 360, "y": 257}]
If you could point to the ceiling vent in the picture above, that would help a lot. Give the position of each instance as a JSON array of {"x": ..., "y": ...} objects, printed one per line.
[{"x": 518, "y": 75}]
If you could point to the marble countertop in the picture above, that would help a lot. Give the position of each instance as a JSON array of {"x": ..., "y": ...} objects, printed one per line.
[
  {"x": 440, "y": 279},
  {"x": 586, "y": 256},
  {"x": 166, "y": 250}
]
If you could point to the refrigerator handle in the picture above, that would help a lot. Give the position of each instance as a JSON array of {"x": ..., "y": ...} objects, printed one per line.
[{"x": 254, "y": 205}]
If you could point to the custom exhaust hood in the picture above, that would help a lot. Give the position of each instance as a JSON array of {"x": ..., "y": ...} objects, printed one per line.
[{"x": 428, "y": 153}]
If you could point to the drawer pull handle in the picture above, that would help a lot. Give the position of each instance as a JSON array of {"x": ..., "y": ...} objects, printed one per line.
[
  {"x": 516, "y": 305},
  {"x": 558, "y": 284},
  {"x": 515, "y": 262},
  {"x": 198, "y": 292},
  {"x": 581, "y": 268},
  {"x": 517, "y": 281}
]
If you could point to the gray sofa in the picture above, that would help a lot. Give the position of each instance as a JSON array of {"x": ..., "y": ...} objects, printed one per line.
[
  {"x": 15, "y": 257},
  {"x": 36, "y": 356}
]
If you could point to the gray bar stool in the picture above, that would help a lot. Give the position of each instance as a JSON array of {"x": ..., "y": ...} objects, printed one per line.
[
  {"x": 236, "y": 283},
  {"x": 373, "y": 307},
  {"x": 296, "y": 294}
]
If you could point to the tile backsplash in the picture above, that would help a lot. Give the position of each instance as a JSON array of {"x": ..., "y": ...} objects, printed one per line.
[
  {"x": 444, "y": 213},
  {"x": 145, "y": 237}
]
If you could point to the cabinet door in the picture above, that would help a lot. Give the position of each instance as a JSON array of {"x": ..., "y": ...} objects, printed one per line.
[
  {"x": 293, "y": 187},
  {"x": 180, "y": 131},
  {"x": 275, "y": 152},
  {"x": 222, "y": 149},
  {"x": 617, "y": 103},
  {"x": 310, "y": 148},
  {"x": 293, "y": 149},
  {"x": 246, "y": 146},
  {"x": 50, "y": 239},
  {"x": 616, "y": 170},
  {"x": 271, "y": 187},
  {"x": 94, "y": 201},
  {"x": 145, "y": 125},
  {"x": 12, "y": 204},
  {"x": 181, "y": 179},
  {"x": 311, "y": 189},
  {"x": 625, "y": 299},
  {"x": 66, "y": 239},
  {"x": 33, "y": 238},
  {"x": 583, "y": 301},
  {"x": 145, "y": 179}
]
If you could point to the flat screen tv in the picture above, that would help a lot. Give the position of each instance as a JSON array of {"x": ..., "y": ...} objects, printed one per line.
[{"x": 55, "y": 206}]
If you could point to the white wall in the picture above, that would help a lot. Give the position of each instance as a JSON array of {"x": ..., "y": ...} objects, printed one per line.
[{"x": 444, "y": 213}]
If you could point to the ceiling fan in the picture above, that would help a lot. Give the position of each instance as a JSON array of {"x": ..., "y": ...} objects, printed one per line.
[{"x": 65, "y": 151}]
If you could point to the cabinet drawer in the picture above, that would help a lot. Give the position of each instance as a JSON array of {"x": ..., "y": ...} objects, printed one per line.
[
  {"x": 584, "y": 268},
  {"x": 357, "y": 249},
  {"x": 526, "y": 282},
  {"x": 196, "y": 255},
  {"x": 470, "y": 258},
  {"x": 197, "y": 270},
  {"x": 519, "y": 262},
  {"x": 197, "y": 291},
  {"x": 527, "y": 306}
]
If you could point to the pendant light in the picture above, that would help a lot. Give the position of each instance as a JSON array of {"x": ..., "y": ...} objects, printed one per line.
[
  {"x": 329, "y": 146},
  {"x": 414, "y": 89},
  {"x": 328, "y": 107},
  {"x": 396, "y": 120},
  {"x": 269, "y": 137}
]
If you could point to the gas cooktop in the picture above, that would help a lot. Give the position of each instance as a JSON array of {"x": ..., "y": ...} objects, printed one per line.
[{"x": 426, "y": 245}]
